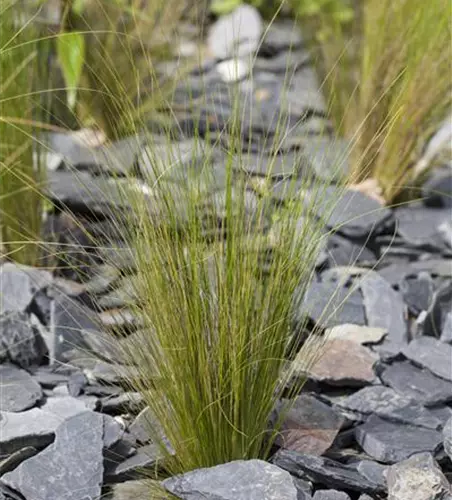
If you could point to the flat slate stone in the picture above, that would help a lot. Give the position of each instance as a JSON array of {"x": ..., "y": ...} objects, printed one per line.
[
  {"x": 373, "y": 471},
  {"x": 36, "y": 427},
  {"x": 68, "y": 319},
  {"x": 239, "y": 480},
  {"x": 447, "y": 434},
  {"x": 387, "y": 403},
  {"x": 329, "y": 305},
  {"x": 18, "y": 389},
  {"x": 70, "y": 468},
  {"x": 354, "y": 214},
  {"x": 344, "y": 363},
  {"x": 418, "y": 477},
  {"x": 325, "y": 471},
  {"x": 384, "y": 307},
  {"x": 18, "y": 285},
  {"x": 419, "y": 225},
  {"x": 432, "y": 354},
  {"x": 146, "y": 458},
  {"x": 310, "y": 426},
  {"x": 20, "y": 340},
  {"x": 390, "y": 442},
  {"x": 416, "y": 383}
]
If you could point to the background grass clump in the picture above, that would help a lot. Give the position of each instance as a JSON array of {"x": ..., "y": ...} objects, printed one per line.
[
  {"x": 23, "y": 59},
  {"x": 387, "y": 80}
]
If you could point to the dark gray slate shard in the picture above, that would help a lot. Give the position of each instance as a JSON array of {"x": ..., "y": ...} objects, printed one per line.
[
  {"x": 145, "y": 459},
  {"x": 354, "y": 214},
  {"x": 126, "y": 402},
  {"x": 437, "y": 191},
  {"x": 384, "y": 307},
  {"x": 113, "y": 431},
  {"x": 20, "y": 340},
  {"x": 447, "y": 435},
  {"x": 76, "y": 384},
  {"x": 48, "y": 378},
  {"x": 325, "y": 471},
  {"x": 416, "y": 383},
  {"x": 344, "y": 252},
  {"x": 389, "y": 404},
  {"x": 309, "y": 426},
  {"x": 70, "y": 468},
  {"x": 330, "y": 495},
  {"x": 432, "y": 354},
  {"x": 304, "y": 488},
  {"x": 18, "y": 285},
  {"x": 418, "y": 477},
  {"x": 390, "y": 442},
  {"x": 238, "y": 480},
  {"x": 396, "y": 273},
  {"x": 36, "y": 427},
  {"x": 68, "y": 318},
  {"x": 18, "y": 390},
  {"x": 373, "y": 471},
  {"x": 419, "y": 225},
  {"x": 418, "y": 292},
  {"x": 329, "y": 304}
]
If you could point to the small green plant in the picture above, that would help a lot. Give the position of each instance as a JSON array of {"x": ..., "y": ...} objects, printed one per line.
[{"x": 22, "y": 74}]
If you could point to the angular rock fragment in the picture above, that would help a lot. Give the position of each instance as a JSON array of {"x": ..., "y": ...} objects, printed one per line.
[
  {"x": 344, "y": 363},
  {"x": 418, "y": 477},
  {"x": 36, "y": 427},
  {"x": 239, "y": 480},
  {"x": 70, "y": 468},
  {"x": 432, "y": 354},
  {"x": 20, "y": 340},
  {"x": 390, "y": 442},
  {"x": 310, "y": 426},
  {"x": 388, "y": 404},
  {"x": 416, "y": 383},
  {"x": 18, "y": 390},
  {"x": 329, "y": 305},
  {"x": 384, "y": 307},
  {"x": 325, "y": 471},
  {"x": 18, "y": 285}
]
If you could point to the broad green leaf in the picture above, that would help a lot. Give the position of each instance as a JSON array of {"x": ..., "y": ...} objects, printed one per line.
[{"x": 71, "y": 56}]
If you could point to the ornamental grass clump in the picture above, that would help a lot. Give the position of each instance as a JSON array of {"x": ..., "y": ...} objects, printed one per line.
[
  {"x": 387, "y": 79},
  {"x": 215, "y": 291},
  {"x": 22, "y": 109}
]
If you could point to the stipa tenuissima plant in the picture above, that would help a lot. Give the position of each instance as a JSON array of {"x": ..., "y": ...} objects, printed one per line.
[{"x": 22, "y": 74}]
